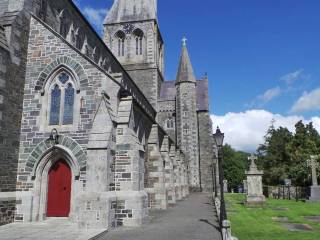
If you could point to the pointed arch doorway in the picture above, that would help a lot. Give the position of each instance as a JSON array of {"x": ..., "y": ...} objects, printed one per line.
[{"x": 59, "y": 189}]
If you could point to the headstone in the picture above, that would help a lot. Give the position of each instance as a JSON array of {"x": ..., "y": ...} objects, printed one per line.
[
  {"x": 254, "y": 183},
  {"x": 225, "y": 186},
  {"x": 315, "y": 188}
]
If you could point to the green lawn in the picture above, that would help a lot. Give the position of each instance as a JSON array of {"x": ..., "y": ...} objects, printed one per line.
[{"x": 257, "y": 224}]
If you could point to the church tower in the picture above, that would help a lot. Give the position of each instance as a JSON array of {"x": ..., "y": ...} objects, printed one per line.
[
  {"x": 131, "y": 31},
  {"x": 186, "y": 113}
]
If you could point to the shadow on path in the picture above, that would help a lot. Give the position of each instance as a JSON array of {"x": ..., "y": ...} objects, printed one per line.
[
  {"x": 206, "y": 221},
  {"x": 184, "y": 221}
]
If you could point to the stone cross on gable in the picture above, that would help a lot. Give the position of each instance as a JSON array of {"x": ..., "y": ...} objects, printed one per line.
[
  {"x": 253, "y": 165},
  {"x": 313, "y": 163}
]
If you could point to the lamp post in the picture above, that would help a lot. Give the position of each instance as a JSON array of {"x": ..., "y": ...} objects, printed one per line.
[
  {"x": 214, "y": 171},
  {"x": 218, "y": 138}
]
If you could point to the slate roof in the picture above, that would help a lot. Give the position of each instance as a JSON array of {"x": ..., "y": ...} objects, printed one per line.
[
  {"x": 132, "y": 10},
  {"x": 168, "y": 93},
  {"x": 168, "y": 90},
  {"x": 3, "y": 39},
  {"x": 202, "y": 95}
]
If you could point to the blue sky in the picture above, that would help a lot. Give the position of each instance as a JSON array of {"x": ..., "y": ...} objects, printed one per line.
[{"x": 260, "y": 56}]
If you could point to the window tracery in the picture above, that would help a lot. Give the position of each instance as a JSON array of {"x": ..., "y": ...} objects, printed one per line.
[{"x": 62, "y": 98}]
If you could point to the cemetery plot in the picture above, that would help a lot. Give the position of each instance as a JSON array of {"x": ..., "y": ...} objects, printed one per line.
[{"x": 275, "y": 220}]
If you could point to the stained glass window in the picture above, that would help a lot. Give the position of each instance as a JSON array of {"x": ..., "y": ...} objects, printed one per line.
[
  {"x": 55, "y": 105},
  {"x": 68, "y": 105},
  {"x": 63, "y": 77}
]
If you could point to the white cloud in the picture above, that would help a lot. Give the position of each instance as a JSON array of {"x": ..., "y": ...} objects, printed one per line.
[
  {"x": 268, "y": 95},
  {"x": 95, "y": 16},
  {"x": 290, "y": 78},
  {"x": 245, "y": 131},
  {"x": 261, "y": 100},
  {"x": 309, "y": 101}
]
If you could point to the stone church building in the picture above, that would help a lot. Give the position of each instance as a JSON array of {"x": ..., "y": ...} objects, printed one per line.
[{"x": 89, "y": 127}]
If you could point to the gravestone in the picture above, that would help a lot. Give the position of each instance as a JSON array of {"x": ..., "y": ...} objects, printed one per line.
[
  {"x": 254, "y": 183},
  {"x": 225, "y": 186},
  {"x": 315, "y": 188}
]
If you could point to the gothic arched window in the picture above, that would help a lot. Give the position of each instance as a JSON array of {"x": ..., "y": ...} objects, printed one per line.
[
  {"x": 120, "y": 37},
  {"x": 186, "y": 129},
  {"x": 170, "y": 123},
  {"x": 55, "y": 105},
  {"x": 62, "y": 97},
  {"x": 138, "y": 35},
  {"x": 68, "y": 105}
]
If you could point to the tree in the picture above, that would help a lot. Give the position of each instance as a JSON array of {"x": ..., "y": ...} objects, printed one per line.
[
  {"x": 234, "y": 165},
  {"x": 273, "y": 155},
  {"x": 284, "y": 154}
]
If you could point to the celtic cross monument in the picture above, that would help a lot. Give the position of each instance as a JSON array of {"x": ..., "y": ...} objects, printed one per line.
[{"x": 315, "y": 189}]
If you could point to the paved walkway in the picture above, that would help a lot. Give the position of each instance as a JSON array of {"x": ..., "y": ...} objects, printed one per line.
[
  {"x": 52, "y": 229},
  {"x": 191, "y": 219}
]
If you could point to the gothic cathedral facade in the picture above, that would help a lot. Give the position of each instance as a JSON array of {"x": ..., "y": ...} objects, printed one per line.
[{"x": 90, "y": 128}]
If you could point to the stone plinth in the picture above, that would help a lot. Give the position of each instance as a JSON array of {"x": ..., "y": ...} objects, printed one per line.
[
  {"x": 254, "y": 184},
  {"x": 315, "y": 194}
]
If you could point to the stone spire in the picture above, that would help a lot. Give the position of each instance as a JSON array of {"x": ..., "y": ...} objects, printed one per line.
[
  {"x": 185, "y": 72},
  {"x": 131, "y": 10}
]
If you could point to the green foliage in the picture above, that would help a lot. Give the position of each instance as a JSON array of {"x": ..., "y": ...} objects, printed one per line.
[
  {"x": 284, "y": 154},
  {"x": 234, "y": 166}
]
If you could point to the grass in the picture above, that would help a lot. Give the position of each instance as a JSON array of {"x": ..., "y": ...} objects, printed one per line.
[{"x": 250, "y": 223}]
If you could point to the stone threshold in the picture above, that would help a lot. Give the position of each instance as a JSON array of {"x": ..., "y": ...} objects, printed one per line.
[{"x": 50, "y": 229}]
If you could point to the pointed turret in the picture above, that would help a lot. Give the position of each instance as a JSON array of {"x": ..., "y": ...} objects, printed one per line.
[
  {"x": 131, "y": 10},
  {"x": 185, "y": 72}
]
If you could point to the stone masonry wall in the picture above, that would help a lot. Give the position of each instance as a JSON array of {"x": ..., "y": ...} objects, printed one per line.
[
  {"x": 187, "y": 129},
  {"x": 167, "y": 110},
  {"x": 46, "y": 52},
  {"x": 7, "y": 211},
  {"x": 11, "y": 84},
  {"x": 206, "y": 151}
]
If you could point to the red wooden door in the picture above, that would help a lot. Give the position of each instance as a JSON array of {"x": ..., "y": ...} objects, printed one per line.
[{"x": 59, "y": 190}]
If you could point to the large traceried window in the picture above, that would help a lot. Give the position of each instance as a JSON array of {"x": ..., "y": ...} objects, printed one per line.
[
  {"x": 62, "y": 98},
  {"x": 120, "y": 38},
  {"x": 138, "y": 35}
]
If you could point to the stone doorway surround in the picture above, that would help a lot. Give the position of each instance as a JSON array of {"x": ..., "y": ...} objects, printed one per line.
[{"x": 40, "y": 192}]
